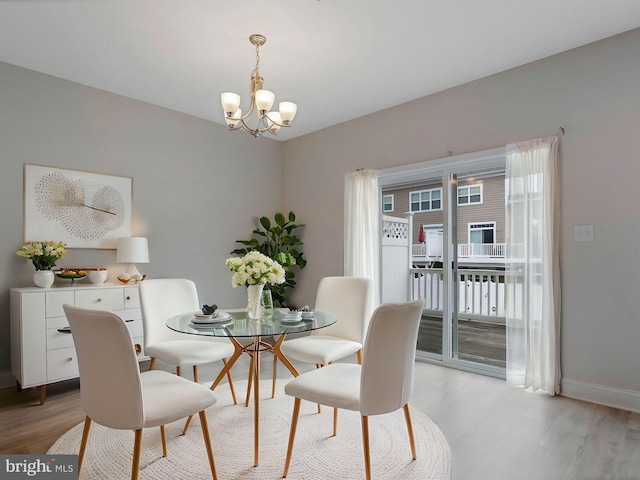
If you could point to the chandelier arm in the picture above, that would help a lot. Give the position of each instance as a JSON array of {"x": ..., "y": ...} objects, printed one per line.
[{"x": 273, "y": 122}]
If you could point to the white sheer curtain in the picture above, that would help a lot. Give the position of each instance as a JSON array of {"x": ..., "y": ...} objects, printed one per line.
[
  {"x": 362, "y": 228},
  {"x": 533, "y": 282}
]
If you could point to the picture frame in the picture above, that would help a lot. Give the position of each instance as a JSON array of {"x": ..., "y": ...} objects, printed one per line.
[{"x": 81, "y": 209}]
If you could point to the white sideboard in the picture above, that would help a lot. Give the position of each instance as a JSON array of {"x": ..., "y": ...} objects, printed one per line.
[{"x": 42, "y": 349}]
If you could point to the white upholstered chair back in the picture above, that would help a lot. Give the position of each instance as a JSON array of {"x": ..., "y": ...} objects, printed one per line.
[
  {"x": 164, "y": 298},
  {"x": 111, "y": 391},
  {"x": 386, "y": 382},
  {"x": 349, "y": 298}
]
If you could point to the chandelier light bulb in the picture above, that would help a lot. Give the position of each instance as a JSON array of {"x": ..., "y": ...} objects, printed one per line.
[
  {"x": 287, "y": 111},
  {"x": 264, "y": 101},
  {"x": 233, "y": 120},
  {"x": 277, "y": 121},
  {"x": 230, "y": 103}
]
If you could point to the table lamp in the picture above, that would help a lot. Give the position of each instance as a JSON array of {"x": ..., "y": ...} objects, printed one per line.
[{"x": 132, "y": 250}]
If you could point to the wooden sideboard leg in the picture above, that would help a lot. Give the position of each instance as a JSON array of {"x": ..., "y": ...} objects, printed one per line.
[
  {"x": 18, "y": 387},
  {"x": 43, "y": 393}
]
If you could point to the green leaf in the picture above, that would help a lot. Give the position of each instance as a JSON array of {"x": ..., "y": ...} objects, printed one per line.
[
  {"x": 266, "y": 223},
  {"x": 292, "y": 217},
  {"x": 279, "y": 218}
]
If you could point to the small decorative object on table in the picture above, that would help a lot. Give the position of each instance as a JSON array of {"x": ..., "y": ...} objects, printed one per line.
[
  {"x": 209, "y": 309},
  {"x": 255, "y": 270},
  {"x": 44, "y": 256}
]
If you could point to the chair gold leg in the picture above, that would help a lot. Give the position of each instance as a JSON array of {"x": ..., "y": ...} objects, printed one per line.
[
  {"x": 365, "y": 446},
  {"x": 335, "y": 421},
  {"x": 207, "y": 443},
  {"x": 152, "y": 363},
  {"x": 163, "y": 437},
  {"x": 359, "y": 355},
  {"x": 178, "y": 371},
  {"x": 319, "y": 365},
  {"x": 407, "y": 418},
  {"x": 292, "y": 435},
  {"x": 83, "y": 443},
  {"x": 186, "y": 425},
  {"x": 135, "y": 464},
  {"x": 195, "y": 373}
]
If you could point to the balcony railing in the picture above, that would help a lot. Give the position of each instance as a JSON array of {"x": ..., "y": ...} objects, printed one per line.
[
  {"x": 470, "y": 250},
  {"x": 481, "y": 293}
]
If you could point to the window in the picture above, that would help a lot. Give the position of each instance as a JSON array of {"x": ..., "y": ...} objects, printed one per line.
[
  {"x": 425, "y": 200},
  {"x": 470, "y": 194},
  {"x": 482, "y": 232},
  {"x": 387, "y": 203}
]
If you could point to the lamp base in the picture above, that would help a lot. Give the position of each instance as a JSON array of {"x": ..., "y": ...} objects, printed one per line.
[{"x": 131, "y": 275}]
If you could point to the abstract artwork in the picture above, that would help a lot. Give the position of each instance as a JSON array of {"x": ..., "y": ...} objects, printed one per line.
[{"x": 82, "y": 209}]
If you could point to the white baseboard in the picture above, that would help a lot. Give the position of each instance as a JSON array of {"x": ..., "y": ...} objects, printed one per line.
[
  {"x": 7, "y": 380},
  {"x": 603, "y": 395}
]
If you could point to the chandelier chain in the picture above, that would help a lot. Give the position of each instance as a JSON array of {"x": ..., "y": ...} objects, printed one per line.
[{"x": 255, "y": 73}]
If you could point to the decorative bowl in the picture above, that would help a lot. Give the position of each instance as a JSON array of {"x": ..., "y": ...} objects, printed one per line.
[
  {"x": 97, "y": 275},
  {"x": 71, "y": 274}
]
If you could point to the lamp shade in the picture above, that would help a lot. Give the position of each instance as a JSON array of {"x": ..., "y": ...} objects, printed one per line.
[{"x": 133, "y": 250}]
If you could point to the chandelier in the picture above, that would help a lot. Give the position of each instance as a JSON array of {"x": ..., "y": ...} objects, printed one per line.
[{"x": 261, "y": 101}]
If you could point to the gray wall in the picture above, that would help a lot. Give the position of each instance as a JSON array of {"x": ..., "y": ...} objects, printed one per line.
[
  {"x": 197, "y": 188},
  {"x": 593, "y": 92}
]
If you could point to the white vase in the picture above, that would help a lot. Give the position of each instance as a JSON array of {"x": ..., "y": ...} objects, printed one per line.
[
  {"x": 254, "y": 301},
  {"x": 43, "y": 278}
]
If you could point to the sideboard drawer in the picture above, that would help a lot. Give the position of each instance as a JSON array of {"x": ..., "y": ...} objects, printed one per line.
[
  {"x": 100, "y": 299},
  {"x": 57, "y": 322},
  {"x": 135, "y": 328},
  {"x": 56, "y": 339},
  {"x": 61, "y": 364},
  {"x": 55, "y": 300},
  {"x": 131, "y": 297}
]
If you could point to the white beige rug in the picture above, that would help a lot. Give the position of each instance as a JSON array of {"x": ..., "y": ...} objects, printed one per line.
[{"x": 316, "y": 454}]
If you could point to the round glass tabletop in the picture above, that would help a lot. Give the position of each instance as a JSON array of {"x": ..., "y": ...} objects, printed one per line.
[{"x": 237, "y": 324}]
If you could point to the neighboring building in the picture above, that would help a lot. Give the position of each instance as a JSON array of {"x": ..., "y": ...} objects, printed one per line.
[{"x": 480, "y": 209}]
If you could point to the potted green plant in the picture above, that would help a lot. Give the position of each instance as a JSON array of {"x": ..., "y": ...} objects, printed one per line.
[{"x": 277, "y": 241}]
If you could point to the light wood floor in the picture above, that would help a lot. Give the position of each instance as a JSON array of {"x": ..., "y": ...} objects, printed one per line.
[{"x": 495, "y": 432}]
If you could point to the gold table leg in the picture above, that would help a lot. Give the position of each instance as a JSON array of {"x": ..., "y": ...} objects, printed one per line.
[
  {"x": 254, "y": 350},
  {"x": 256, "y": 401}
]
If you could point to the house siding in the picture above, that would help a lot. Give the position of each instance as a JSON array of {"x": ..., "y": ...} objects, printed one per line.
[{"x": 492, "y": 208}]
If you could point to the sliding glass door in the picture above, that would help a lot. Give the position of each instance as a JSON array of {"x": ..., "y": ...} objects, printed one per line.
[
  {"x": 477, "y": 213},
  {"x": 455, "y": 211}
]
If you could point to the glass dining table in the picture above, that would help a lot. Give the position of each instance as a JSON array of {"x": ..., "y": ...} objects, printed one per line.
[{"x": 250, "y": 336}]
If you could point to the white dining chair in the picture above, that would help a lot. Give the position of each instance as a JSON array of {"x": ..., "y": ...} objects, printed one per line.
[
  {"x": 164, "y": 298},
  {"x": 115, "y": 394},
  {"x": 382, "y": 384},
  {"x": 347, "y": 297}
]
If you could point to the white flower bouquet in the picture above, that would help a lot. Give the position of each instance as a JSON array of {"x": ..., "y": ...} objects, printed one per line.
[
  {"x": 255, "y": 268},
  {"x": 44, "y": 255}
]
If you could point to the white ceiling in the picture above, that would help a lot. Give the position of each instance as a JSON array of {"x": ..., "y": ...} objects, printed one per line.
[{"x": 337, "y": 59}]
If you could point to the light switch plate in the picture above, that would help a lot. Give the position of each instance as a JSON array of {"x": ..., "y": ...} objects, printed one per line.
[{"x": 583, "y": 233}]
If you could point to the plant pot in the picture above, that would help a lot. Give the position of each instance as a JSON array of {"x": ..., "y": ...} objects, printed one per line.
[{"x": 43, "y": 278}]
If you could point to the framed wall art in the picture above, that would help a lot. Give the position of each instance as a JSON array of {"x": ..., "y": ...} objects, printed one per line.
[{"x": 82, "y": 209}]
